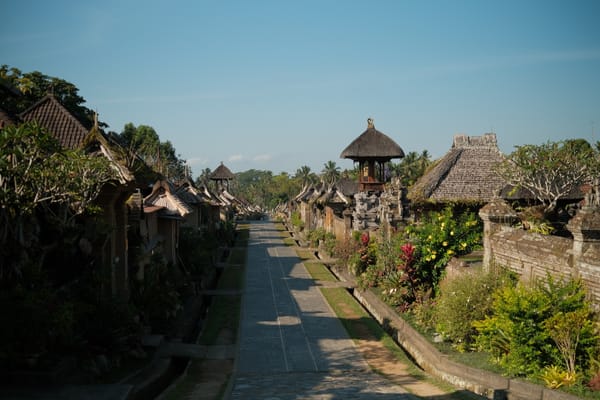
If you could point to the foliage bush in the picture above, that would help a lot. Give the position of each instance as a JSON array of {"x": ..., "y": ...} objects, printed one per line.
[
  {"x": 345, "y": 249},
  {"x": 365, "y": 256},
  {"x": 441, "y": 236},
  {"x": 196, "y": 249},
  {"x": 296, "y": 220},
  {"x": 319, "y": 234},
  {"x": 517, "y": 335},
  {"x": 409, "y": 265},
  {"x": 156, "y": 296},
  {"x": 464, "y": 299}
]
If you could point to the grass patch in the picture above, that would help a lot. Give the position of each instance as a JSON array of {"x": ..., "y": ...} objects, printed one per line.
[
  {"x": 289, "y": 241},
  {"x": 305, "y": 254},
  {"x": 319, "y": 271},
  {"x": 224, "y": 313},
  {"x": 357, "y": 321}
]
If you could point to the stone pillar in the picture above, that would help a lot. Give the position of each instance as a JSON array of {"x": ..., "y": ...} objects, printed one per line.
[
  {"x": 585, "y": 227},
  {"x": 496, "y": 215}
]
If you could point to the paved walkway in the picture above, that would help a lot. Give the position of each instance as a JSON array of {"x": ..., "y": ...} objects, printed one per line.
[{"x": 291, "y": 344}]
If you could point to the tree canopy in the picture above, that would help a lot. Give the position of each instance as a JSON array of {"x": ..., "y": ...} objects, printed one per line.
[
  {"x": 22, "y": 90},
  {"x": 552, "y": 170}
]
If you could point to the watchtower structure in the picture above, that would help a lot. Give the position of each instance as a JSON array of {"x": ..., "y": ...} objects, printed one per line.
[
  {"x": 222, "y": 175},
  {"x": 372, "y": 150}
]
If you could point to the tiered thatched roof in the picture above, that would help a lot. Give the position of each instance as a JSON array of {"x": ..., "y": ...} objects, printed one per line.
[
  {"x": 466, "y": 173},
  {"x": 372, "y": 144}
]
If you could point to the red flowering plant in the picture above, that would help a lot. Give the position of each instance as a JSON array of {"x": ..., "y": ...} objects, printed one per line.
[{"x": 365, "y": 256}]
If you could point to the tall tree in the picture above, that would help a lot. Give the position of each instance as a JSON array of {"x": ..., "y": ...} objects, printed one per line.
[
  {"x": 305, "y": 175},
  {"x": 330, "y": 173},
  {"x": 552, "y": 170},
  {"x": 142, "y": 142}
]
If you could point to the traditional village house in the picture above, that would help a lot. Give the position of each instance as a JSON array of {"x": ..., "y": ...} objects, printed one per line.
[
  {"x": 164, "y": 212},
  {"x": 464, "y": 175},
  {"x": 372, "y": 150},
  {"x": 221, "y": 176},
  {"x": 72, "y": 134},
  {"x": 337, "y": 203},
  {"x": 196, "y": 200}
]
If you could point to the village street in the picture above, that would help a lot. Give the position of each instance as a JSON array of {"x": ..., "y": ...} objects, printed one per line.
[{"x": 291, "y": 344}]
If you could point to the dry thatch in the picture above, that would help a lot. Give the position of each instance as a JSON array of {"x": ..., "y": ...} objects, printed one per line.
[
  {"x": 372, "y": 144},
  {"x": 222, "y": 173},
  {"x": 465, "y": 174}
]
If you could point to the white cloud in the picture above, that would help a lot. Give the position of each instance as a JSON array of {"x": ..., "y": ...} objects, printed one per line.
[
  {"x": 194, "y": 161},
  {"x": 235, "y": 157},
  {"x": 262, "y": 157}
]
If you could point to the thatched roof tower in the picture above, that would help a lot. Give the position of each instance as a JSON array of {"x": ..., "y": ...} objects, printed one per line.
[
  {"x": 222, "y": 175},
  {"x": 372, "y": 149}
]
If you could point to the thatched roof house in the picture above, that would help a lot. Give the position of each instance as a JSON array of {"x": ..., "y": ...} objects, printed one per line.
[
  {"x": 372, "y": 149},
  {"x": 465, "y": 174}
]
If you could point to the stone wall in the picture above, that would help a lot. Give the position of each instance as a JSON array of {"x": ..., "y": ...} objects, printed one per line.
[
  {"x": 533, "y": 256},
  {"x": 339, "y": 226}
]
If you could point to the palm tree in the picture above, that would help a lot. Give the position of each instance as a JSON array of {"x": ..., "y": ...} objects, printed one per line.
[
  {"x": 330, "y": 173},
  {"x": 304, "y": 174}
]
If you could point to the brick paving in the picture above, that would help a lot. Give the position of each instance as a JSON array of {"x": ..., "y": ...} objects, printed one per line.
[{"x": 291, "y": 344}]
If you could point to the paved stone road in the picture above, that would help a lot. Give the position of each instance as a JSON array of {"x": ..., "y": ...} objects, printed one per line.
[{"x": 292, "y": 346}]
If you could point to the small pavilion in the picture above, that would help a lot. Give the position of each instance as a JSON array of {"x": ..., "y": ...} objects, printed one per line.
[
  {"x": 222, "y": 175},
  {"x": 372, "y": 150}
]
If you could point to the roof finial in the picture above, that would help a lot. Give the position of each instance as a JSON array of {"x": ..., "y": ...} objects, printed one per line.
[
  {"x": 370, "y": 123},
  {"x": 95, "y": 119}
]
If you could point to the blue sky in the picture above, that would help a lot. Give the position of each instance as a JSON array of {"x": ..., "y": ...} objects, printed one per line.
[{"x": 276, "y": 85}]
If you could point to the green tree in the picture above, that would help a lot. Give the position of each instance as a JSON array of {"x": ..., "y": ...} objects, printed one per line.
[
  {"x": 552, "y": 170},
  {"x": 143, "y": 143},
  {"x": 36, "y": 174},
  {"x": 305, "y": 175},
  {"x": 330, "y": 173},
  {"x": 412, "y": 167},
  {"x": 35, "y": 85}
]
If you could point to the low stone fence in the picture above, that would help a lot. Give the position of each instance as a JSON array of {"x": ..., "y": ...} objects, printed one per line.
[{"x": 534, "y": 256}]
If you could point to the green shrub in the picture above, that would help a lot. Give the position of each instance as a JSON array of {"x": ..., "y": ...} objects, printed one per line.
[
  {"x": 296, "y": 220},
  {"x": 464, "y": 299},
  {"x": 517, "y": 334},
  {"x": 319, "y": 234},
  {"x": 441, "y": 236}
]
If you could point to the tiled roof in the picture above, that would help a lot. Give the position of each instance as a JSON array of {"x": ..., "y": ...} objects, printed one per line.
[
  {"x": 465, "y": 173},
  {"x": 59, "y": 122},
  {"x": 372, "y": 144}
]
